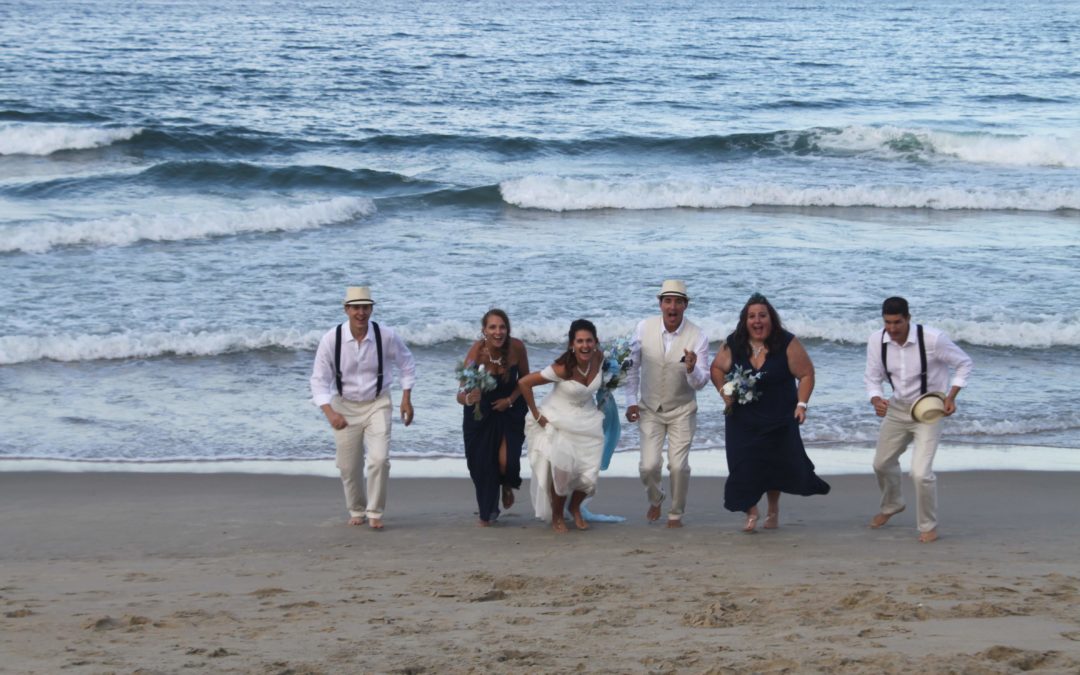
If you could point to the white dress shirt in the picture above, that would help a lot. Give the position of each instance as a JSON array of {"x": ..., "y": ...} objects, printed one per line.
[
  {"x": 906, "y": 367},
  {"x": 360, "y": 365},
  {"x": 697, "y": 378}
]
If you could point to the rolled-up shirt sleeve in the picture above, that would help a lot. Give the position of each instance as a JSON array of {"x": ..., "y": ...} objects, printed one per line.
[
  {"x": 323, "y": 383},
  {"x": 404, "y": 361},
  {"x": 700, "y": 376},
  {"x": 957, "y": 359},
  {"x": 874, "y": 374}
]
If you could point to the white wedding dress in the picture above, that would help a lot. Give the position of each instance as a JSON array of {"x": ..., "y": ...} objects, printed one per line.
[{"x": 567, "y": 452}]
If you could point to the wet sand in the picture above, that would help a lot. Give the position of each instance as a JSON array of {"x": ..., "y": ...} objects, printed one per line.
[{"x": 103, "y": 572}]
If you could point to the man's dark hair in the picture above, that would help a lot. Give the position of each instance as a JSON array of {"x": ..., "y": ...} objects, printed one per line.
[{"x": 895, "y": 305}]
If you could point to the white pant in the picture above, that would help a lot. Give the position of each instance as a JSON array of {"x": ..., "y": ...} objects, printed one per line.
[
  {"x": 897, "y": 431},
  {"x": 678, "y": 426},
  {"x": 369, "y": 429}
]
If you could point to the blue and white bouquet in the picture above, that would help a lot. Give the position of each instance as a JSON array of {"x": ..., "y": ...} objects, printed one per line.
[
  {"x": 617, "y": 362},
  {"x": 739, "y": 385},
  {"x": 472, "y": 376}
]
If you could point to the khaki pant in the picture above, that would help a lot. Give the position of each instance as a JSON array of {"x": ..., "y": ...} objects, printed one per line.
[
  {"x": 678, "y": 426},
  {"x": 897, "y": 431},
  {"x": 368, "y": 430}
]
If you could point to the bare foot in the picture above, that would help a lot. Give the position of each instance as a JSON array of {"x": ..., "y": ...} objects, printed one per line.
[
  {"x": 357, "y": 520},
  {"x": 674, "y": 523},
  {"x": 928, "y": 537},
  {"x": 376, "y": 523},
  {"x": 880, "y": 519},
  {"x": 772, "y": 521},
  {"x": 653, "y": 514},
  {"x": 559, "y": 525},
  {"x": 507, "y": 497},
  {"x": 751, "y": 521},
  {"x": 579, "y": 521},
  {"x": 483, "y": 523}
]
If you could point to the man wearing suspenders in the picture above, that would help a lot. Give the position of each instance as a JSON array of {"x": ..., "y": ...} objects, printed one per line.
[
  {"x": 914, "y": 362},
  {"x": 352, "y": 387}
]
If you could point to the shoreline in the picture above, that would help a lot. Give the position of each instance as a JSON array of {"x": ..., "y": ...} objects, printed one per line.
[
  {"x": 259, "y": 573},
  {"x": 832, "y": 460}
]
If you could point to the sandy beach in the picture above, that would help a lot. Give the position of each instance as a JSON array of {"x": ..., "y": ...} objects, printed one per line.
[{"x": 111, "y": 572}]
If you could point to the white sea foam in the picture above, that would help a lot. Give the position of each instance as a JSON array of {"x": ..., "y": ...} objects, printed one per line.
[
  {"x": 138, "y": 344},
  {"x": 20, "y": 349},
  {"x": 829, "y": 461},
  {"x": 553, "y": 193},
  {"x": 18, "y": 138},
  {"x": 991, "y": 332},
  {"x": 980, "y": 148},
  {"x": 130, "y": 228}
]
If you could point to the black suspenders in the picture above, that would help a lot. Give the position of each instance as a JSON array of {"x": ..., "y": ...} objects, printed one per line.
[
  {"x": 378, "y": 352},
  {"x": 922, "y": 357}
]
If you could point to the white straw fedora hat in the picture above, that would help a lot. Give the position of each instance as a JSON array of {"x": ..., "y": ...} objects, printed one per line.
[
  {"x": 673, "y": 287},
  {"x": 928, "y": 407},
  {"x": 358, "y": 295}
]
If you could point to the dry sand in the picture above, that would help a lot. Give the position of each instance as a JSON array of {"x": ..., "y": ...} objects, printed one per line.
[{"x": 259, "y": 574}]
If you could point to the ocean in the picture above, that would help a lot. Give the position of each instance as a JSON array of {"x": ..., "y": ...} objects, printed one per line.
[{"x": 186, "y": 188}]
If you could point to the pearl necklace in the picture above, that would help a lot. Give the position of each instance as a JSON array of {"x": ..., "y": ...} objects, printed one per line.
[
  {"x": 585, "y": 373},
  {"x": 757, "y": 350}
]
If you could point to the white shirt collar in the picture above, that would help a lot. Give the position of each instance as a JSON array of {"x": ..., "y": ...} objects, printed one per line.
[
  {"x": 886, "y": 338},
  {"x": 349, "y": 336},
  {"x": 674, "y": 332}
]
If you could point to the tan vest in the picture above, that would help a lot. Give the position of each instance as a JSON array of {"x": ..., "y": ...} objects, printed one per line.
[{"x": 663, "y": 376}]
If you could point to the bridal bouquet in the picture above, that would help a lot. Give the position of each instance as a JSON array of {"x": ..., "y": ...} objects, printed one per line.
[
  {"x": 472, "y": 376},
  {"x": 740, "y": 386},
  {"x": 616, "y": 362}
]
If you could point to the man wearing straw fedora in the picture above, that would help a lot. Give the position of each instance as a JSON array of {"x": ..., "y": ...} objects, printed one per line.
[
  {"x": 669, "y": 364},
  {"x": 916, "y": 364},
  {"x": 351, "y": 384}
]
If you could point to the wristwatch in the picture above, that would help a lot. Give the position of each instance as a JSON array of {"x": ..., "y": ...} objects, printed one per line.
[{"x": 800, "y": 404}]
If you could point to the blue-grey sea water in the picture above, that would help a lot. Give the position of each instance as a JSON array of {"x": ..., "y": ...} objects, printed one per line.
[{"x": 186, "y": 187}]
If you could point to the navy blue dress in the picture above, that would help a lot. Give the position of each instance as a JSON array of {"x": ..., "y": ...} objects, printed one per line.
[
  {"x": 764, "y": 449},
  {"x": 483, "y": 438}
]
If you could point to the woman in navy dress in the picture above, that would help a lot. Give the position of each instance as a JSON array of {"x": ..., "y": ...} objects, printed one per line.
[
  {"x": 493, "y": 443},
  {"x": 765, "y": 452}
]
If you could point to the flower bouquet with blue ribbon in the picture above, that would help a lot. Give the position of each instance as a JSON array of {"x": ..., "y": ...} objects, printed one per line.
[
  {"x": 613, "y": 375},
  {"x": 739, "y": 385},
  {"x": 472, "y": 376}
]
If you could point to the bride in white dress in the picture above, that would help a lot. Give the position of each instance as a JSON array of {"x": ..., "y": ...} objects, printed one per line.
[{"x": 565, "y": 434}]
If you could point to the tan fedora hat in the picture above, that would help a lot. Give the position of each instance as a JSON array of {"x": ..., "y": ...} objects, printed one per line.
[
  {"x": 358, "y": 295},
  {"x": 928, "y": 407},
  {"x": 673, "y": 287}
]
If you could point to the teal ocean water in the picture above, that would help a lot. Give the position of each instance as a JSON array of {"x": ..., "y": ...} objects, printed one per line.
[{"x": 186, "y": 187}]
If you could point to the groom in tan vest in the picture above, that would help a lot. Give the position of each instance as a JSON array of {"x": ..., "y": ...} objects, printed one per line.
[{"x": 670, "y": 363}]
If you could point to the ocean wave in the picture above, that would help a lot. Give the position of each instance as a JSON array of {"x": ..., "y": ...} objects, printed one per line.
[
  {"x": 993, "y": 332},
  {"x": 17, "y": 138},
  {"x": 553, "y": 193},
  {"x": 244, "y": 174},
  {"x": 208, "y": 173},
  {"x": 133, "y": 345},
  {"x": 841, "y": 430},
  {"x": 208, "y": 140},
  {"x": 888, "y": 143},
  {"x": 884, "y": 142},
  {"x": 131, "y": 228},
  {"x": 550, "y": 332},
  {"x": 928, "y": 144}
]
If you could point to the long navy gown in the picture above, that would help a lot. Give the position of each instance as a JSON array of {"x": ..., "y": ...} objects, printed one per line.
[
  {"x": 482, "y": 440},
  {"x": 764, "y": 449}
]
